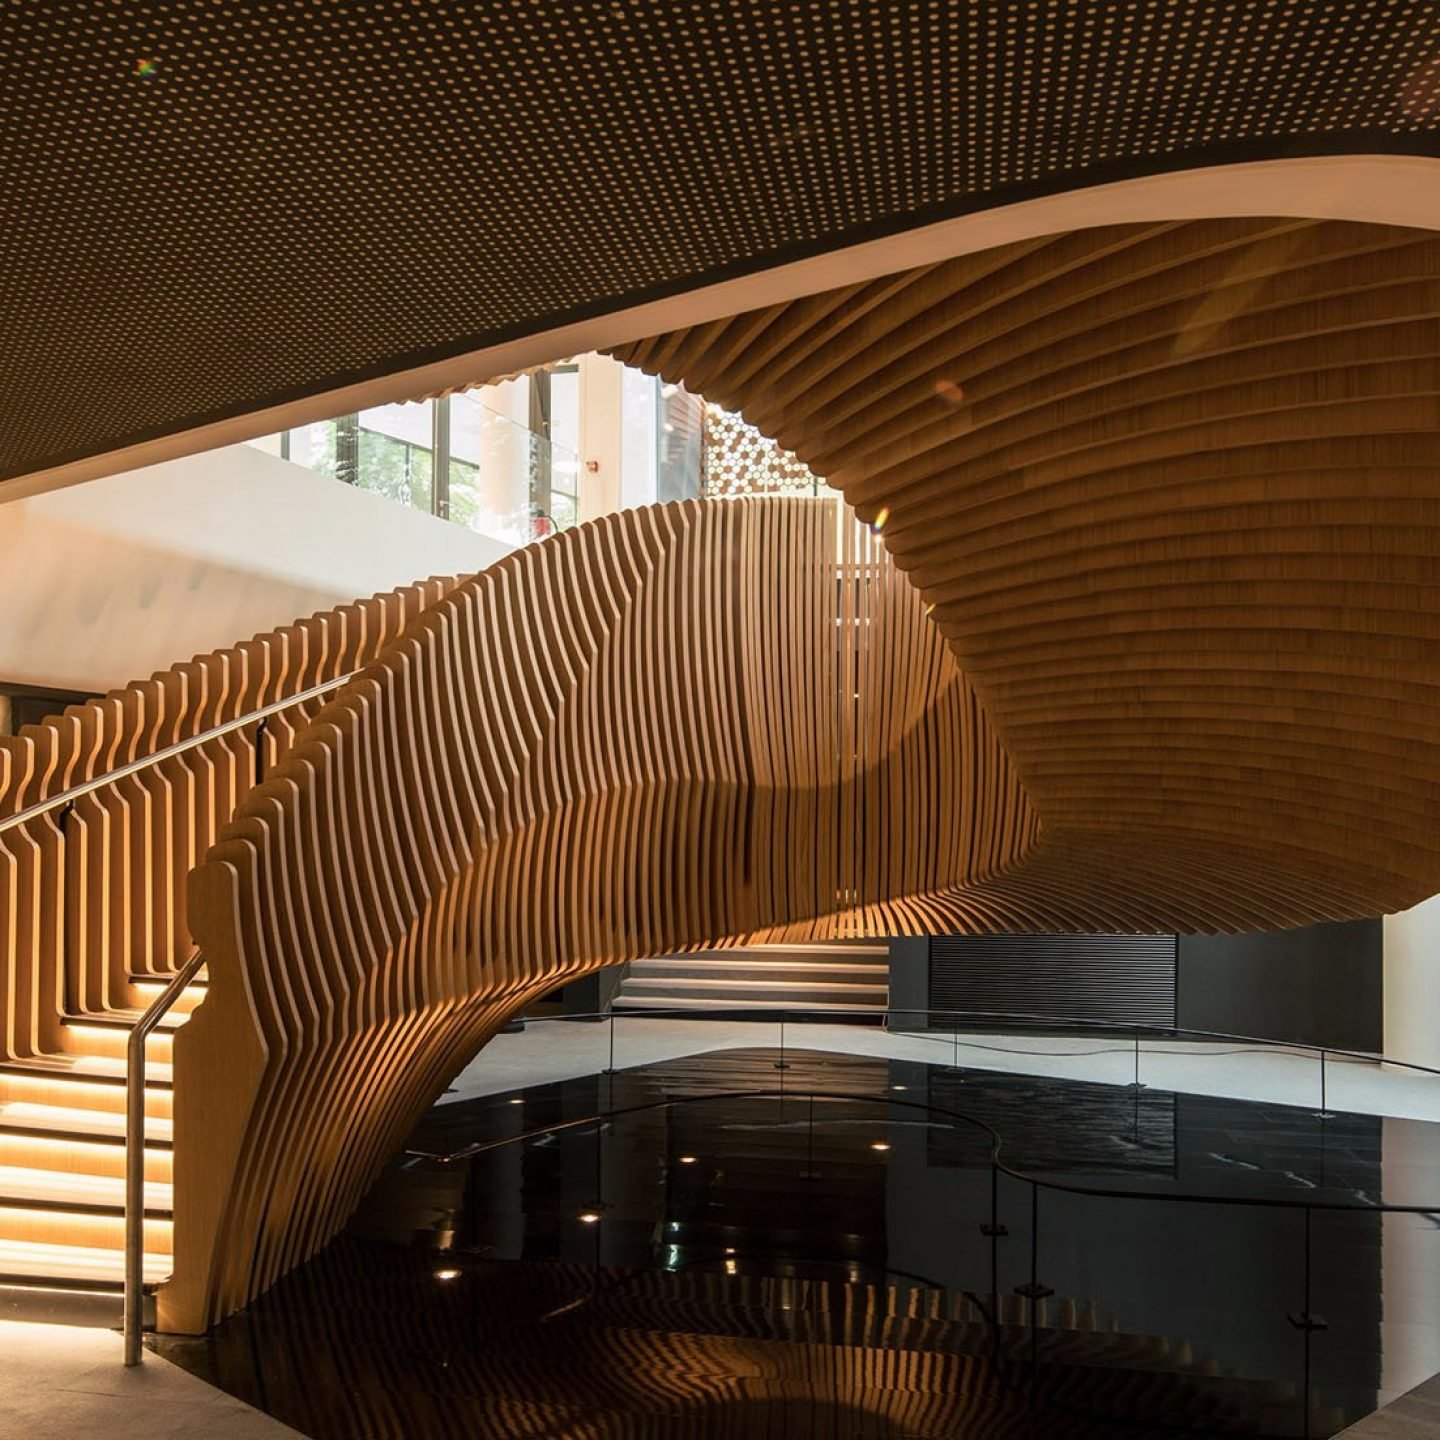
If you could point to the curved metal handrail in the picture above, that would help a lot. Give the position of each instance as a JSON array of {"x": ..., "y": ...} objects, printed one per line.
[
  {"x": 134, "y": 767},
  {"x": 780, "y": 1013},
  {"x": 997, "y": 1142},
  {"x": 135, "y": 1044},
  {"x": 135, "y": 1152}
]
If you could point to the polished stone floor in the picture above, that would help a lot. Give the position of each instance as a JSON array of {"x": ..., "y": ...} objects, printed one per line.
[{"x": 752, "y": 1245}]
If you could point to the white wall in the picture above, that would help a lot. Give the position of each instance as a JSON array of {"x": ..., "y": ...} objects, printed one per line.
[
  {"x": 1412, "y": 983},
  {"x": 1410, "y": 1272},
  {"x": 110, "y": 581},
  {"x": 600, "y": 435}
]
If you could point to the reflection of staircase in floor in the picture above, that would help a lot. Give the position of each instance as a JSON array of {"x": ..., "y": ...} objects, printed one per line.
[
  {"x": 557, "y": 1347},
  {"x": 62, "y": 1162},
  {"x": 1088, "y": 1364},
  {"x": 834, "y": 976}
]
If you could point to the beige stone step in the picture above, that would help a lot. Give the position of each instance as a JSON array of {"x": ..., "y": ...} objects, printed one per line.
[
  {"x": 75, "y": 1122},
  {"x": 63, "y": 1188},
  {"x": 26, "y": 1223},
  {"x": 34, "y": 1150},
  {"x": 77, "y": 1091},
  {"x": 41, "y": 1260}
]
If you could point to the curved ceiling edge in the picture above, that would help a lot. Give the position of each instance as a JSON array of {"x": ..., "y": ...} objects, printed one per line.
[{"x": 1399, "y": 190}]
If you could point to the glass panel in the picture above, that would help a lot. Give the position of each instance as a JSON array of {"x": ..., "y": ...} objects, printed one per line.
[
  {"x": 501, "y": 472},
  {"x": 382, "y": 466},
  {"x": 639, "y": 397},
  {"x": 409, "y": 421},
  {"x": 464, "y": 485},
  {"x": 563, "y": 509},
  {"x": 313, "y": 446},
  {"x": 681, "y": 418},
  {"x": 565, "y": 408},
  {"x": 422, "y": 471}
]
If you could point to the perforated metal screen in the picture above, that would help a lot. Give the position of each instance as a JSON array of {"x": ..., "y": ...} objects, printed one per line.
[{"x": 209, "y": 207}]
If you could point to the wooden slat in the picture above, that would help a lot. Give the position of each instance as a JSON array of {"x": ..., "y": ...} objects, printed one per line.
[
  {"x": 95, "y": 896},
  {"x": 670, "y": 727},
  {"x": 1171, "y": 491}
]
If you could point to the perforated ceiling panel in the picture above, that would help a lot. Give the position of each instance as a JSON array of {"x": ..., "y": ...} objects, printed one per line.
[{"x": 206, "y": 208}]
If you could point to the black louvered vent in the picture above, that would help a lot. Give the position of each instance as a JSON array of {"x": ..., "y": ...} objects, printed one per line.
[{"x": 1129, "y": 979}]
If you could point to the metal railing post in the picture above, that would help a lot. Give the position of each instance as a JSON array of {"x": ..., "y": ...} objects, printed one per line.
[
  {"x": 260, "y": 727},
  {"x": 135, "y": 1154},
  {"x": 181, "y": 747},
  {"x": 1324, "y": 1112}
]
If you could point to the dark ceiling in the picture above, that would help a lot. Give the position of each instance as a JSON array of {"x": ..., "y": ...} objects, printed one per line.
[{"x": 211, "y": 206}]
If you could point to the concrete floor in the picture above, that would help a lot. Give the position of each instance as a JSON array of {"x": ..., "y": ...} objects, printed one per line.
[
  {"x": 1415, "y": 1416},
  {"x": 60, "y": 1382}
]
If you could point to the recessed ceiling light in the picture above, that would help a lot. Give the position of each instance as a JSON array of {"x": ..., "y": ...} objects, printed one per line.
[
  {"x": 447, "y": 1274},
  {"x": 879, "y": 1144},
  {"x": 588, "y": 1217},
  {"x": 687, "y": 1159}
]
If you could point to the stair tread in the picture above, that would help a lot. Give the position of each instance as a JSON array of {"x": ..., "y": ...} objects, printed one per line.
[
  {"x": 66, "y": 1187},
  {"x": 835, "y": 949},
  {"x": 700, "y": 1002},
  {"x": 724, "y": 962},
  {"x": 40, "y": 1260},
  {"x": 720, "y": 982},
  {"x": 90, "y": 1124},
  {"x": 125, "y": 1020},
  {"x": 104, "y": 1068}
]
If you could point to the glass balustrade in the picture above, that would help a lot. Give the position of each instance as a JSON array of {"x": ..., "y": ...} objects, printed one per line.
[{"x": 937, "y": 1224}]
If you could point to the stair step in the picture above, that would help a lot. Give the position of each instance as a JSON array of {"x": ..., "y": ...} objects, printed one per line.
[
  {"x": 625, "y": 1001},
  {"x": 96, "y": 1069},
  {"x": 797, "y": 987},
  {"x": 92, "y": 1194},
  {"x": 27, "y": 1223},
  {"x": 836, "y": 950},
  {"x": 40, "y": 1260},
  {"x": 78, "y": 1092},
  {"x": 126, "y": 1020},
  {"x": 151, "y": 990},
  {"x": 802, "y": 971},
  {"x": 80, "y": 1155},
  {"x": 106, "y": 1037},
  {"x": 71, "y": 1123},
  {"x": 55, "y": 1300},
  {"x": 200, "y": 980}
]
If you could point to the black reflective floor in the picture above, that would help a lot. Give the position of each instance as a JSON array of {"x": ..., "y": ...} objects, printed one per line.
[{"x": 825, "y": 1250}]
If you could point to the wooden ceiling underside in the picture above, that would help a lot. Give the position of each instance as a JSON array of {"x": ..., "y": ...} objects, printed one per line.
[{"x": 1173, "y": 492}]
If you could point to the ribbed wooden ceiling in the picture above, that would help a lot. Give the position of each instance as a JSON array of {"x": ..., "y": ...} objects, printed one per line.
[
  {"x": 207, "y": 209},
  {"x": 1173, "y": 492}
]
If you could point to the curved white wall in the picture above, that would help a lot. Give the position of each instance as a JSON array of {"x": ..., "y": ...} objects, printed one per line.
[
  {"x": 112, "y": 580},
  {"x": 1412, "y": 983}
]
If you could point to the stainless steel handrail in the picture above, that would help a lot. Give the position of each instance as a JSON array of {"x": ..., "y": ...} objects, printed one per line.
[
  {"x": 65, "y": 797},
  {"x": 135, "y": 1153},
  {"x": 135, "y": 1045}
]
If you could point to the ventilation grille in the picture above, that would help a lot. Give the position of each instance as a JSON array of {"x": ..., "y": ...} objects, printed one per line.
[{"x": 1126, "y": 979}]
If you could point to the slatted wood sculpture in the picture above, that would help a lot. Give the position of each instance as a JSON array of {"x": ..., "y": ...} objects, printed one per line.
[
  {"x": 93, "y": 916},
  {"x": 1173, "y": 493},
  {"x": 669, "y": 726}
]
